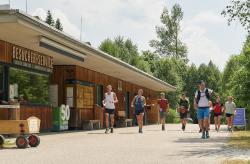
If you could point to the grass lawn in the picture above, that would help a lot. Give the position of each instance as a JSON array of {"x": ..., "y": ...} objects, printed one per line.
[
  {"x": 235, "y": 162},
  {"x": 240, "y": 140}
]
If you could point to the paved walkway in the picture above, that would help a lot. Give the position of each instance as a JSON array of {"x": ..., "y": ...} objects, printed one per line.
[{"x": 127, "y": 146}]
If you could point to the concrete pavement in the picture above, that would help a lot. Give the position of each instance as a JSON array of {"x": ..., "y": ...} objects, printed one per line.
[{"x": 127, "y": 146}]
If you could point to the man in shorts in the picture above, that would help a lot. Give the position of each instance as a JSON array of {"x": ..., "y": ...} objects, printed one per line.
[
  {"x": 183, "y": 110},
  {"x": 109, "y": 104},
  {"x": 163, "y": 107},
  {"x": 201, "y": 104}
]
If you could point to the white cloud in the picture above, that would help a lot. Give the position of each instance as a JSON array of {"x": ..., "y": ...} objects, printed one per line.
[
  {"x": 201, "y": 48},
  {"x": 68, "y": 27}
]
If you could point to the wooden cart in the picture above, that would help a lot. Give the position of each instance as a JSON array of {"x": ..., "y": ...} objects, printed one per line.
[{"x": 25, "y": 131}]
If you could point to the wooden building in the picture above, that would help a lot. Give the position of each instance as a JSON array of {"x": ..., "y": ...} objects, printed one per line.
[{"x": 50, "y": 68}]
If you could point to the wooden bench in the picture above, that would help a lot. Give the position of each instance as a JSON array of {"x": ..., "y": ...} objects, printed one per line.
[
  {"x": 122, "y": 121},
  {"x": 91, "y": 124}
]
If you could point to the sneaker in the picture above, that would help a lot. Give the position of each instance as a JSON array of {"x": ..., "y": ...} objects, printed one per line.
[
  {"x": 140, "y": 131},
  {"x": 203, "y": 135},
  {"x": 200, "y": 130},
  {"x": 106, "y": 131},
  {"x": 163, "y": 128},
  {"x": 216, "y": 129},
  {"x": 184, "y": 128},
  {"x": 207, "y": 134},
  {"x": 112, "y": 130}
]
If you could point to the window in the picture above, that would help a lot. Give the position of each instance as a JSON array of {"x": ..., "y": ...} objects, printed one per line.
[{"x": 34, "y": 87}]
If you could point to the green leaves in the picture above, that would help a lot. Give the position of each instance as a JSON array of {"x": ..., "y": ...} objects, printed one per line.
[
  {"x": 238, "y": 10},
  {"x": 168, "y": 43}
]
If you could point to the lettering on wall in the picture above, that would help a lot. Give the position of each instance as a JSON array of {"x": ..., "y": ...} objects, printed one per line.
[{"x": 31, "y": 59}]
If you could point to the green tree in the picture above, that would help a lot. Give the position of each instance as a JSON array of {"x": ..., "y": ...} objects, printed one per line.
[
  {"x": 125, "y": 50},
  {"x": 238, "y": 10},
  {"x": 58, "y": 25},
  {"x": 49, "y": 19},
  {"x": 168, "y": 43}
]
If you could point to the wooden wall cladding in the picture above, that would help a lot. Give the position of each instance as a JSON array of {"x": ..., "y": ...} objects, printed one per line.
[
  {"x": 44, "y": 113},
  {"x": 5, "y": 55},
  {"x": 62, "y": 73}
]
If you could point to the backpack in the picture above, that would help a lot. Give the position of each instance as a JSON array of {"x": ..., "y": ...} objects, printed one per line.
[{"x": 199, "y": 95}]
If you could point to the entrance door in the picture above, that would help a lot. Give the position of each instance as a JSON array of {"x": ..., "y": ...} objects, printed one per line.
[{"x": 127, "y": 104}]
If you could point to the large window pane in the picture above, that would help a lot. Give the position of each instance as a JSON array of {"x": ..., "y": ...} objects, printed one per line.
[{"x": 32, "y": 86}]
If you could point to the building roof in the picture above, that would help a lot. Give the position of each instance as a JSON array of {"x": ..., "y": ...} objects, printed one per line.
[{"x": 24, "y": 30}]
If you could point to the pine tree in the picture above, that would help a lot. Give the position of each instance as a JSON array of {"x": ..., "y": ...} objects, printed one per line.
[
  {"x": 58, "y": 25},
  {"x": 49, "y": 19}
]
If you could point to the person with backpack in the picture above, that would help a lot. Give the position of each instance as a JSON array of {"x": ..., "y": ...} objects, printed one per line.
[
  {"x": 138, "y": 103},
  {"x": 183, "y": 110},
  {"x": 201, "y": 104},
  {"x": 230, "y": 110},
  {"x": 163, "y": 107},
  {"x": 218, "y": 109},
  {"x": 109, "y": 101}
]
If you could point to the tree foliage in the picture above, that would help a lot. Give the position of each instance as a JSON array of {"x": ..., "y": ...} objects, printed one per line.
[
  {"x": 168, "y": 43},
  {"x": 238, "y": 10},
  {"x": 49, "y": 19},
  {"x": 58, "y": 25}
]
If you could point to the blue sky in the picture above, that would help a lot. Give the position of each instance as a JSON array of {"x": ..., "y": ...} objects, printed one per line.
[{"x": 204, "y": 30}]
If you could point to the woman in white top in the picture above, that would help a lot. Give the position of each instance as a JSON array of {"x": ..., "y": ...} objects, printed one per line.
[
  {"x": 109, "y": 105},
  {"x": 230, "y": 110}
]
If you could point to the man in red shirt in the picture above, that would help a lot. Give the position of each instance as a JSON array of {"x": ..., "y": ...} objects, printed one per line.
[{"x": 163, "y": 107}]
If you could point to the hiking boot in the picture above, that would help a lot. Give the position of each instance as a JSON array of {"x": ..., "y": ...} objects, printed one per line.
[
  {"x": 140, "y": 131},
  {"x": 112, "y": 130},
  {"x": 203, "y": 135},
  {"x": 163, "y": 128},
  {"x": 107, "y": 131},
  {"x": 207, "y": 134}
]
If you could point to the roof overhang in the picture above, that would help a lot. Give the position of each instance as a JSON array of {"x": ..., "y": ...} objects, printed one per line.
[{"x": 19, "y": 28}]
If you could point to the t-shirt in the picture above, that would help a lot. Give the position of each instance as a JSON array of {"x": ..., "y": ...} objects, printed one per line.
[
  {"x": 184, "y": 104},
  {"x": 163, "y": 103},
  {"x": 204, "y": 102},
  {"x": 217, "y": 107},
  {"x": 230, "y": 107}
]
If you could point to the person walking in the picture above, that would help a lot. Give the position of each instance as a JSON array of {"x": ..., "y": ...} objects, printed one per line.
[
  {"x": 163, "y": 107},
  {"x": 218, "y": 109},
  {"x": 183, "y": 110},
  {"x": 109, "y": 101},
  {"x": 230, "y": 110},
  {"x": 138, "y": 103},
  {"x": 202, "y": 97}
]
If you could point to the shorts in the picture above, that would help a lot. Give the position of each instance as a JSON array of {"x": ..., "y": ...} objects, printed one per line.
[
  {"x": 183, "y": 115},
  {"x": 110, "y": 111},
  {"x": 163, "y": 115},
  {"x": 217, "y": 114},
  {"x": 229, "y": 115},
  {"x": 138, "y": 112},
  {"x": 203, "y": 113}
]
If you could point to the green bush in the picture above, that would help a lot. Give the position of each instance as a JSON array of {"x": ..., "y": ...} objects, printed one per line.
[{"x": 172, "y": 117}]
